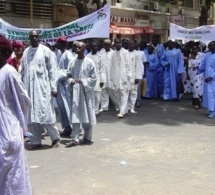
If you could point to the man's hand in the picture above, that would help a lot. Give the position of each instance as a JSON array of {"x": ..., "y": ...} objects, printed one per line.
[
  {"x": 78, "y": 81},
  {"x": 195, "y": 68},
  {"x": 101, "y": 85},
  {"x": 71, "y": 81},
  {"x": 146, "y": 63},
  {"x": 54, "y": 93},
  {"x": 207, "y": 80},
  {"x": 136, "y": 81}
]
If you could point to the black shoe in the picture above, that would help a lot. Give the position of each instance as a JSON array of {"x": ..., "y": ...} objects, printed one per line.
[
  {"x": 35, "y": 147},
  {"x": 86, "y": 142},
  {"x": 64, "y": 133},
  {"x": 55, "y": 143},
  {"x": 138, "y": 104}
]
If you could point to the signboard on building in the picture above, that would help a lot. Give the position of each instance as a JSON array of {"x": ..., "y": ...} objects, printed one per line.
[
  {"x": 142, "y": 20},
  {"x": 123, "y": 20},
  {"x": 177, "y": 19}
]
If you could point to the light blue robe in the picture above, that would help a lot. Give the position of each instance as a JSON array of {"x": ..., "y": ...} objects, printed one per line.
[
  {"x": 208, "y": 67},
  {"x": 159, "y": 50},
  {"x": 171, "y": 79},
  {"x": 63, "y": 93},
  {"x": 14, "y": 105},
  {"x": 151, "y": 76},
  {"x": 39, "y": 77}
]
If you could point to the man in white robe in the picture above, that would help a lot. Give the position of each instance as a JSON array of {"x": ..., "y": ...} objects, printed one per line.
[
  {"x": 14, "y": 105},
  {"x": 121, "y": 76},
  {"x": 39, "y": 76},
  {"x": 100, "y": 69},
  {"x": 136, "y": 67},
  {"x": 62, "y": 91},
  {"x": 82, "y": 80},
  {"x": 107, "y": 90}
]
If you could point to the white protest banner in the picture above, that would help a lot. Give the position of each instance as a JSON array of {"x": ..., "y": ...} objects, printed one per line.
[
  {"x": 95, "y": 25},
  {"x": 201, "y": 33}
]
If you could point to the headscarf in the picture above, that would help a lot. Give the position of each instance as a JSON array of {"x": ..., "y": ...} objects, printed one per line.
[{"x": 17, "y": 44}]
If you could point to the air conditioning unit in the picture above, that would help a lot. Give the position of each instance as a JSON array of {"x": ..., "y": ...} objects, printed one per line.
[
  {"x": 182, "y": 11},
  {"x": 155, "y": 5}
]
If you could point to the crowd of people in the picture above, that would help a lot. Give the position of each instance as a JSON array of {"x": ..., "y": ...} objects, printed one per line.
[{"x": 82, "y": 78}]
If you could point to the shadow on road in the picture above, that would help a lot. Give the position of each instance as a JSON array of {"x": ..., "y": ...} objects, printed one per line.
[{"x": 161, "y": 112}]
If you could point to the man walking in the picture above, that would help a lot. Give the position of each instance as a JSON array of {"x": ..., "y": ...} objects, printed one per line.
[
  {"x": 107, "y": 90},
  {"x": 82, "y": 82},
  {"x": 208, "y": 67},
  {"x": 96, "y": 57},
  {"x": 136, "y": 67},
  {"x": 121, "y": 76},
  {"x": 62, "y": 91},
  {"x": 39, "y": 76}
]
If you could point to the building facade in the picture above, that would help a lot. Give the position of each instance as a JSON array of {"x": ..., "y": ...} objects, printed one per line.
[{"x": 138, "y": 19}]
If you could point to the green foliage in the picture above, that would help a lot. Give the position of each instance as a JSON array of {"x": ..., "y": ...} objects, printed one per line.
[
  {"x": 208, "y": 3},
  {"x": 162, "y": 2}
]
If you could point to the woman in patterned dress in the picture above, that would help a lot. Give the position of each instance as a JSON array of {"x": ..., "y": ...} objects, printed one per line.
[{"x": 196, "y": 81}]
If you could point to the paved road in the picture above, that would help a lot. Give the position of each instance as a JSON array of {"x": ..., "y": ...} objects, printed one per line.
[{"x": 166, "y": 149}]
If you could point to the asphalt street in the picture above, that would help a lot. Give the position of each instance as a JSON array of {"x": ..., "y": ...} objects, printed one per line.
[{"x": 167, "y": 148}]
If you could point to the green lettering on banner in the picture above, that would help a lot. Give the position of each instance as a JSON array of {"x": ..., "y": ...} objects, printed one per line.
[
  {"x": 68, "y": 27},
  {"x": 46, "y": 35},
  {"x": 8, "y": 31},
  {"x": 57, "y": 34}
]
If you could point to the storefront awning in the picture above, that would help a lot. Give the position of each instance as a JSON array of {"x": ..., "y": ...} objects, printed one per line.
[
  {"x": 130, "y": 30},
  {"x": 149, "y": 30}
]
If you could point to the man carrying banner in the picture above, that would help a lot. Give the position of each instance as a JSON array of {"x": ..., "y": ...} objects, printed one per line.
[{"x": 39, "y": 76}]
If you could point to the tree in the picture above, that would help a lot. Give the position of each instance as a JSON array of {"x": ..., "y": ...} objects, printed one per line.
[
  {"x": 205, "y": 7},
  {"x": 81, "y": 5}
]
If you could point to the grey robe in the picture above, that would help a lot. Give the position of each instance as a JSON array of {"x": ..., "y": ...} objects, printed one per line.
[
  {"x": 39, "y": 76},
  {"x": 82, "y": 97},
  {"x": 63, "y": 94}
]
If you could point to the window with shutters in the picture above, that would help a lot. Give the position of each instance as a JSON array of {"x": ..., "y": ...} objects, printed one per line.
[
  {"x": 2, "y": 7},
  {"x": 41, "y": 8}
]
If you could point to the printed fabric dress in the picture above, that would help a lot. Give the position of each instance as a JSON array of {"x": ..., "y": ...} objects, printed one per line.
[{"x": 196, "y": 81}]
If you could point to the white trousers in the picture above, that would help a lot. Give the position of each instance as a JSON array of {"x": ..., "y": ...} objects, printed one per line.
[
  {"x": 77, "y": 130},
  {"x": 132, "y": 97},
  {"x": 123, "y": 100},
  {"x": 105, "y": 94},
  {"x": 37, "y": 129},
  {"x": 97, "y": 100}
]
